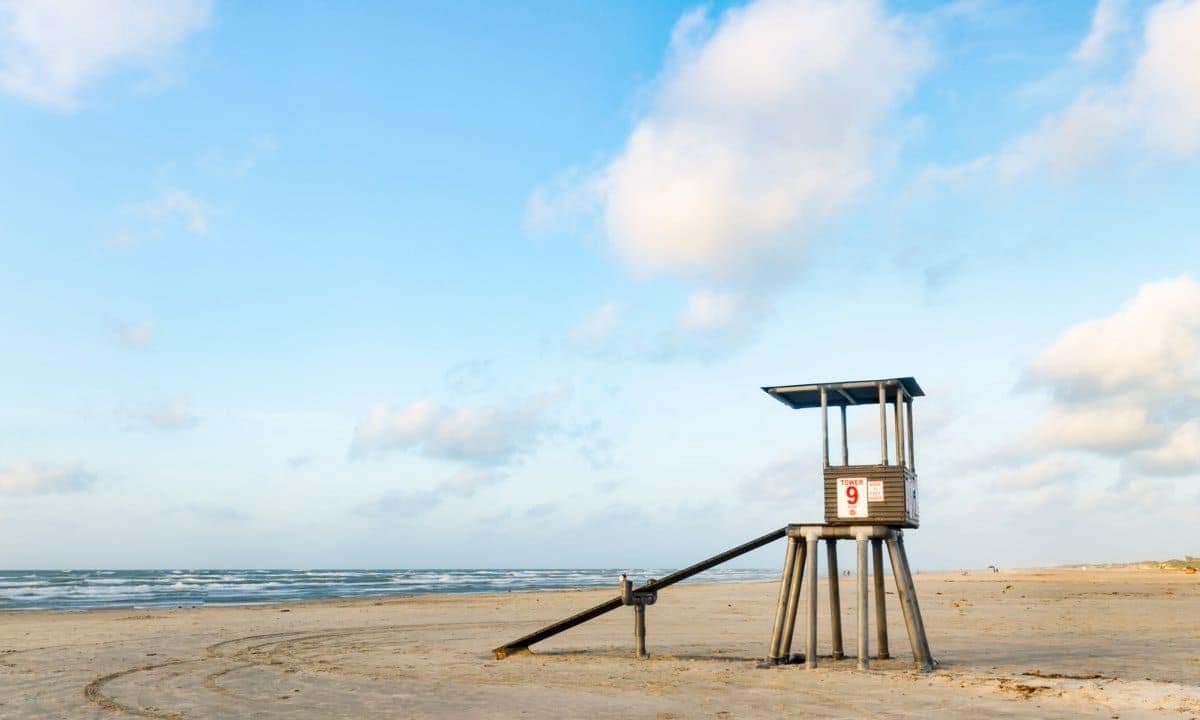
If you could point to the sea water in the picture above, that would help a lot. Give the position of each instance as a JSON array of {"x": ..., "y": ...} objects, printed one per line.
[{"x": 87, "y": 589}]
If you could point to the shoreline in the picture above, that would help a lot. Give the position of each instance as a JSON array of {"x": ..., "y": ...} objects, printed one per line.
[
  {"x": 353, "y": 600},
  {"x": 1162, "y": 567}
]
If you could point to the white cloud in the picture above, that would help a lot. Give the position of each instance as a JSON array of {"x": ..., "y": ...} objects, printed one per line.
[
  {"x": 260, "y": 148},
  {"x": 1071, "y": 140},
  {"x": 1107, "y": 20},
  {"x": 176, "y": 414},
  {"x": 1166, "y": 82},
  {"x": 955, "y": 174},
  {"x": 1156, "y": 105},
  {"x": 469, "y": 480},
  {"x": 30, "y": 478},
  {"x": 763, "y": 125},
  {"x": 490, "y": 435},
  {"x": 599, "y": 326},
  {"x": 1127, "y": 386},
  {"x": 171, "y": 209},
  {"x": 1179, "y": 455},
  {"x": 183, "y": 206},
  {"x": 1110, "y": 428},
  {"x": 463, "y": 484},
  {"x": 401, "y": 503},
  {"x": 712, "y": 309},
  {"x": 50, "y": 50},
  {"x": 240, "y": 161},
  {"x": 785, "y": 478},
  {"x": 1150, "y": 348},
  {"x": 712, "y": 322},
  {"x": 299, "y": 462},
  {"x": 1039, "y": 474},
  {"x": 136, "y": 336},
  {"x": 559, "y": 204}
]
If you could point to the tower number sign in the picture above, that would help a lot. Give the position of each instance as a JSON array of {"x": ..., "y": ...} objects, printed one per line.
[{"x": 852, "y": 498}]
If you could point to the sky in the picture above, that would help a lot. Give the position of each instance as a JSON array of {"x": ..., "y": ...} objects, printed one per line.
[{"x": 498, "y": 285}]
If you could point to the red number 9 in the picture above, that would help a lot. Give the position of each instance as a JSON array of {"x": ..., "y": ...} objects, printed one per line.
[{"x": 852, "y": 494}]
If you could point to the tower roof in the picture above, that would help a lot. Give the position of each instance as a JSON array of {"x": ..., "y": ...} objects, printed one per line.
[{"x": 846, "y": 392}]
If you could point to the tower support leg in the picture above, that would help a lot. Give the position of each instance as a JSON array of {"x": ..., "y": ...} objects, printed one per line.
[
  {"x": 835, "y": 600},
  {"x": 864, "y": 613},
  {"x": 793, "y": 602},
  {"x": 810, "y": 649},
  {"x": 881, "y": 629},
  {"x": 785, "y": 586},
  {"x": 908, "y": 602}
]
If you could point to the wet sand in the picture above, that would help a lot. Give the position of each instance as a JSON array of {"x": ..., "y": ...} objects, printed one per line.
[{"x": 1049, "y": 643}]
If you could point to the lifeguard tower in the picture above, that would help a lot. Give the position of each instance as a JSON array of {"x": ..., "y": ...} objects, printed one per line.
[
  {"x": 871, "y": 504},
  {"x": 867, "y": 503}
]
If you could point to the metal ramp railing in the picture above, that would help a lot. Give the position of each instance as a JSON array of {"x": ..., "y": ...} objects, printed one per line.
[{"x": 654, "y": 586}]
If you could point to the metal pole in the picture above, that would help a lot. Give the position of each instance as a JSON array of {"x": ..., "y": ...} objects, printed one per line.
[
  {"x": 793, "y": 602},
  {"x": 883, "y": 450},
  {"x": 639, "y": 628},
  {"x": 824, "y": 428},
  {"x": 912, "y": 463},
  {"x": 785, "y": 584},
  {"x": 845, "y": 440},
  {"x": 864, "y": 642},
  {"x": 899, "y": 428},
  {"x": 810, "y": 650},
  {"x": 835, "y": 600},
  {"x": 881, "y": 629}
]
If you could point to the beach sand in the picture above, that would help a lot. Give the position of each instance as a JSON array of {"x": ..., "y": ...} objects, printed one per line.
[{"x": 1051, "y": 643}]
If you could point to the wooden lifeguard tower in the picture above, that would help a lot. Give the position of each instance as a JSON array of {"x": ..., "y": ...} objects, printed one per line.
[{"x": 868, "y": 503}]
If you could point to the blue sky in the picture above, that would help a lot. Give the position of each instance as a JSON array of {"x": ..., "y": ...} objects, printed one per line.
[{"x": 482, "y": 286}]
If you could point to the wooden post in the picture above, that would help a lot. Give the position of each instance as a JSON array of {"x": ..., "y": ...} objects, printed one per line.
[
  {"x": 824, "y": 429},
  {"x": 845, "y": 439},
  {"x": 810, "y": 647},
  {"x": 912, "y": 613},
  {"x": 881, "y": 630},
  {"x": 785, "y": 585},
  {"x": 927, "y": 662},
  {"x": 912, "y": 463},
  {"x": 883, "y": 450},
  {"x": 793, "y": 603},
  {"x": 639, "y": 628},
  {"x": 864, "y": 642},
  {"x": 835, "y": 600}
]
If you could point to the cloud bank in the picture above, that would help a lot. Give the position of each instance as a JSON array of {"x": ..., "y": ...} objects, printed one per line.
[
  {"x": 1127, "y": 386},
  {"x": 486, "y": 435},
  {"x": 484, "y": 441},
  {"x": 764, "y": 124},
  {"x": 51, "y": 50},
  {"x": 175, "y": 414},
  {"x": 1156, "y": 106},
  {"x": 136, "y": 335},
  {"x": 29, "y": 478}
]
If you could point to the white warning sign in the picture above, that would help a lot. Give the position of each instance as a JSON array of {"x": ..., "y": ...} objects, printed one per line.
[
  {"x": 875, "y": 490},
  {"x": 852, "y": 499}
]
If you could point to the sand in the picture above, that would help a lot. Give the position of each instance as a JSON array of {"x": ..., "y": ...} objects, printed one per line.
[{"x": 1053, "y": 643}]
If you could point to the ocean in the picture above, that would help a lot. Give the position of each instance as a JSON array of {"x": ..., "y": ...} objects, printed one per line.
[{"x": 90, "y": 589}]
